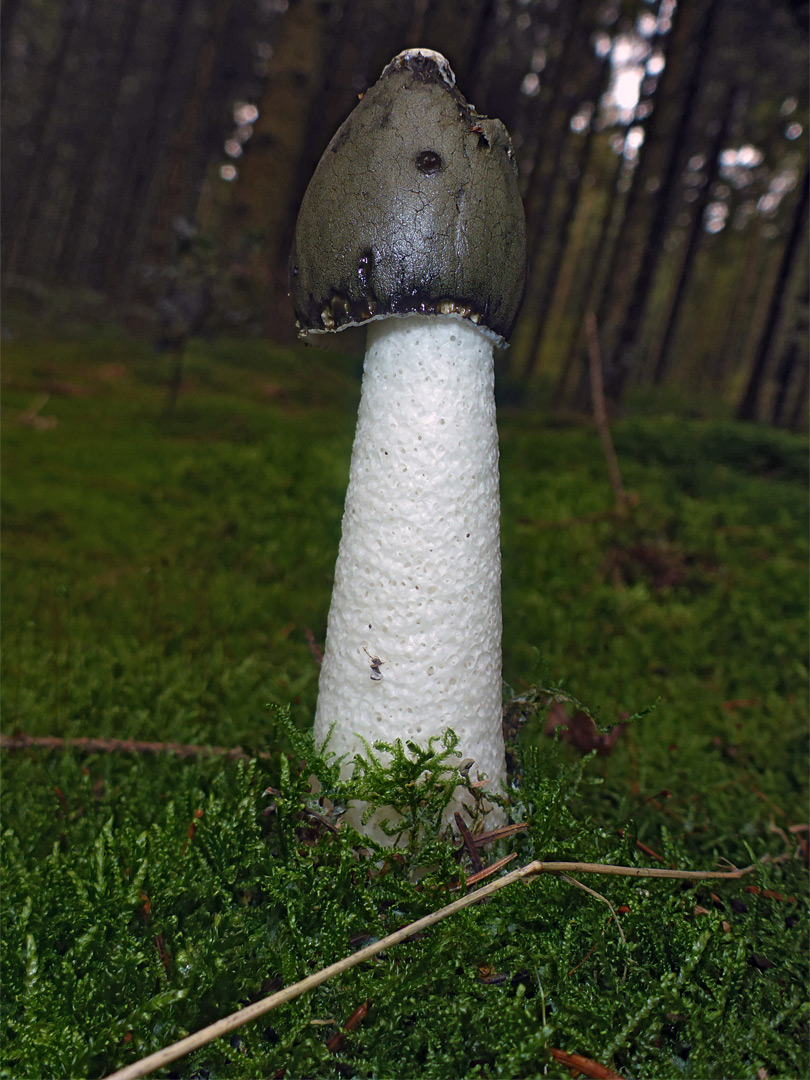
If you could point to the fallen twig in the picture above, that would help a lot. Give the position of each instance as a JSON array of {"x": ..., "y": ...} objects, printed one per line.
[
  {"x": 338, "y": 1040},
  {"x": 600, "y": 412},
  {"x": 251, "y": 1012},
  {"x": 499, "y": 834},
  {"x": 488, "y": 871},
  {"x": 598, "y": 895},
  {"x": 314, "y": 647},
  {"x": 469, "y": 842},
  {"x": 584, "y": 1065},
  {"x": 30, "y": 417}
]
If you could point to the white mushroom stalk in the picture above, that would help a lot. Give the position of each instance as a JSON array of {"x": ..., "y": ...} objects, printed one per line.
[{"x": 433, "y": 260}]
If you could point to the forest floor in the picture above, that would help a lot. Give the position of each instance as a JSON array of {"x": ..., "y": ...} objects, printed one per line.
[{"x": 166, "y": 577}]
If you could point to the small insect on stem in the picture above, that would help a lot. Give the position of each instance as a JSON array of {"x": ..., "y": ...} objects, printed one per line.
[{"x": 376, "y": 674}]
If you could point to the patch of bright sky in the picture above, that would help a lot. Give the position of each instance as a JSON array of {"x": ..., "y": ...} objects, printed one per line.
[
  {"x": 745, "y": 157},
  {"x": 634, "y": 56},
  {"x": 715, "y": 217},
  {"x": 245, "y": 115},
  {"x": 627, "y": 58},
  {"x": 781, "y": 183},
  {"x": 530, "y": 86}
]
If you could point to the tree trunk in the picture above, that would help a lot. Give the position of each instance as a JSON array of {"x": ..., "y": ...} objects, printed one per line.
[
  {"x": 747, "y": 409},
  {"x": 130, "y": 229},
  {"x": 66, "y": 260},
  {"x": 546, "y": 188},
  {"x": 180, "y": 185},
  {"x": 8, "y": 17},
  {"x": 573, "y": 184},
  {"x": 671, "y": 119},
  {"x": 696, "y": 228},
  {"x": 795, "y": 348},
  {"x": 798, "y": 414},
  {"x": 595, "y": 280},
  {"x": 261, "y": 194},
  {"x": 23, "y": 221}
]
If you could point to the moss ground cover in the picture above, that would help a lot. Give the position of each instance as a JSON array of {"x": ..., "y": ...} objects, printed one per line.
[{"x": 168, "y": 576}]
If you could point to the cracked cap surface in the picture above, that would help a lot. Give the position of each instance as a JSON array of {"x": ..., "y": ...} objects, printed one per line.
[{"x": 413, "y": 208}]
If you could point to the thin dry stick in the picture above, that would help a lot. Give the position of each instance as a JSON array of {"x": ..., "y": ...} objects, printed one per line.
[
  {"x": 259, "y": 1008},
  {"x": 600, "y": 411},
  {"x": 584, "y": 1065},
  {"x": 598, "y": 895}
]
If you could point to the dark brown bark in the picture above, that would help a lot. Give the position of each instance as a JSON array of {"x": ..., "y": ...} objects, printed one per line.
[
  {"x": 795, "y": 346},
  {"x": 260, "y": 198},
  {"x": 353, "y": 60},
  {"x": 549, "y": 119},
  {"x": 784, "y": 375},
  {"x": 694, "y": 235},
  {"x": 749, "y": 403},
  {"x": 595, "y": 282},
  {"x": 456, "y": 30},
  {"x": 666, "y": 146},
  {"x": 129, "y": 230},
  {"x": 798, "y": 414},
  {"x": 179, "y": 189},
  {"x": 85, "y": 176},
  {"x": 23, "y": 203},
  {"x": 8, "y": 17},
  {"x": 557, "y": 239}
]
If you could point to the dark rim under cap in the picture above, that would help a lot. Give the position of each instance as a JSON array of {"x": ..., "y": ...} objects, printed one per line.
[{"x": 413, "y": 208}]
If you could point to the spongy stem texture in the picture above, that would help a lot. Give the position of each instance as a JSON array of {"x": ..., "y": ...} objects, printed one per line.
[{"x": 413, "y": 644}]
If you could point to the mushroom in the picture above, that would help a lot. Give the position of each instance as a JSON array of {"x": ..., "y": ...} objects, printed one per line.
[{"x": 412, "y": 228}]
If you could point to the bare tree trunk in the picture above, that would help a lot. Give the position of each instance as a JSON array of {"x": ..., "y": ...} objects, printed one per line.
[
  {"x": 178, "y": 194},
  {"x": 795, "y": 348},
  {"x": 549, "y": 119},
  {"x": 589, "y": 296},
  {"x": 558, "y": 242},
  {"x": 546, "y": 192},
  {"x": 457, "y": 29},
  {"x": 661, "y": 363},
  {"x": 267, "y": 171},
  {"x": 743, "y": 305},
  {"x": 8, "y": 17},
  {"x": 85, "y": 176},
  {"x": 368, "y": 40},
  {"x": 747, "y": 409},
  {"x": 798, "y": 414},
  {"x": 680, "y": 84},
  {"x": 130, "y": 229},
  {"x": 595, "y": 281},
  {"x": 23, "y": 220}
]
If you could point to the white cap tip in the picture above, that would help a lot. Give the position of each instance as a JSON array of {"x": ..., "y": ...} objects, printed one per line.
[{"x": 441, "y": 62}]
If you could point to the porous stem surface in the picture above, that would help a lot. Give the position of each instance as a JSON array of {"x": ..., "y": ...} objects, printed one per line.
[{"x": 413, "y": 644}]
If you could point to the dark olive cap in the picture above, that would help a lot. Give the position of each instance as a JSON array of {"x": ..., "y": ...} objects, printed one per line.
[{"x": 413, "y": 208}]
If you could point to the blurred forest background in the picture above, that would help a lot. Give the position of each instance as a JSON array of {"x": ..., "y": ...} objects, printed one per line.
[{"x": 156, "y": 152}]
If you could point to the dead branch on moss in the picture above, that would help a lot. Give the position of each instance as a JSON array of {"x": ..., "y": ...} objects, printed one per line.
[
  {"x": 251, "y": 1012},
  {"x": 580, "y": 1064},
  {"x": 600, "y": 412}
]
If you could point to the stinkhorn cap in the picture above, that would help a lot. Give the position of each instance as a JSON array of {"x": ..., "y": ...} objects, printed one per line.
[{"x": 413, "y": 208}]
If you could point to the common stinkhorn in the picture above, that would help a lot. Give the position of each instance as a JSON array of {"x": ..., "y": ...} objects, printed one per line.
[{"x": 412, "y": 227}]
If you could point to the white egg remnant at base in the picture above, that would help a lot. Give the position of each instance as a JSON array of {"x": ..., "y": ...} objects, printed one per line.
[{"x": 413, "y": 644}]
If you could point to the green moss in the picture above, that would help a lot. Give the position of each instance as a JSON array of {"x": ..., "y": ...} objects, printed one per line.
[{"x": 165, "y": 578}]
